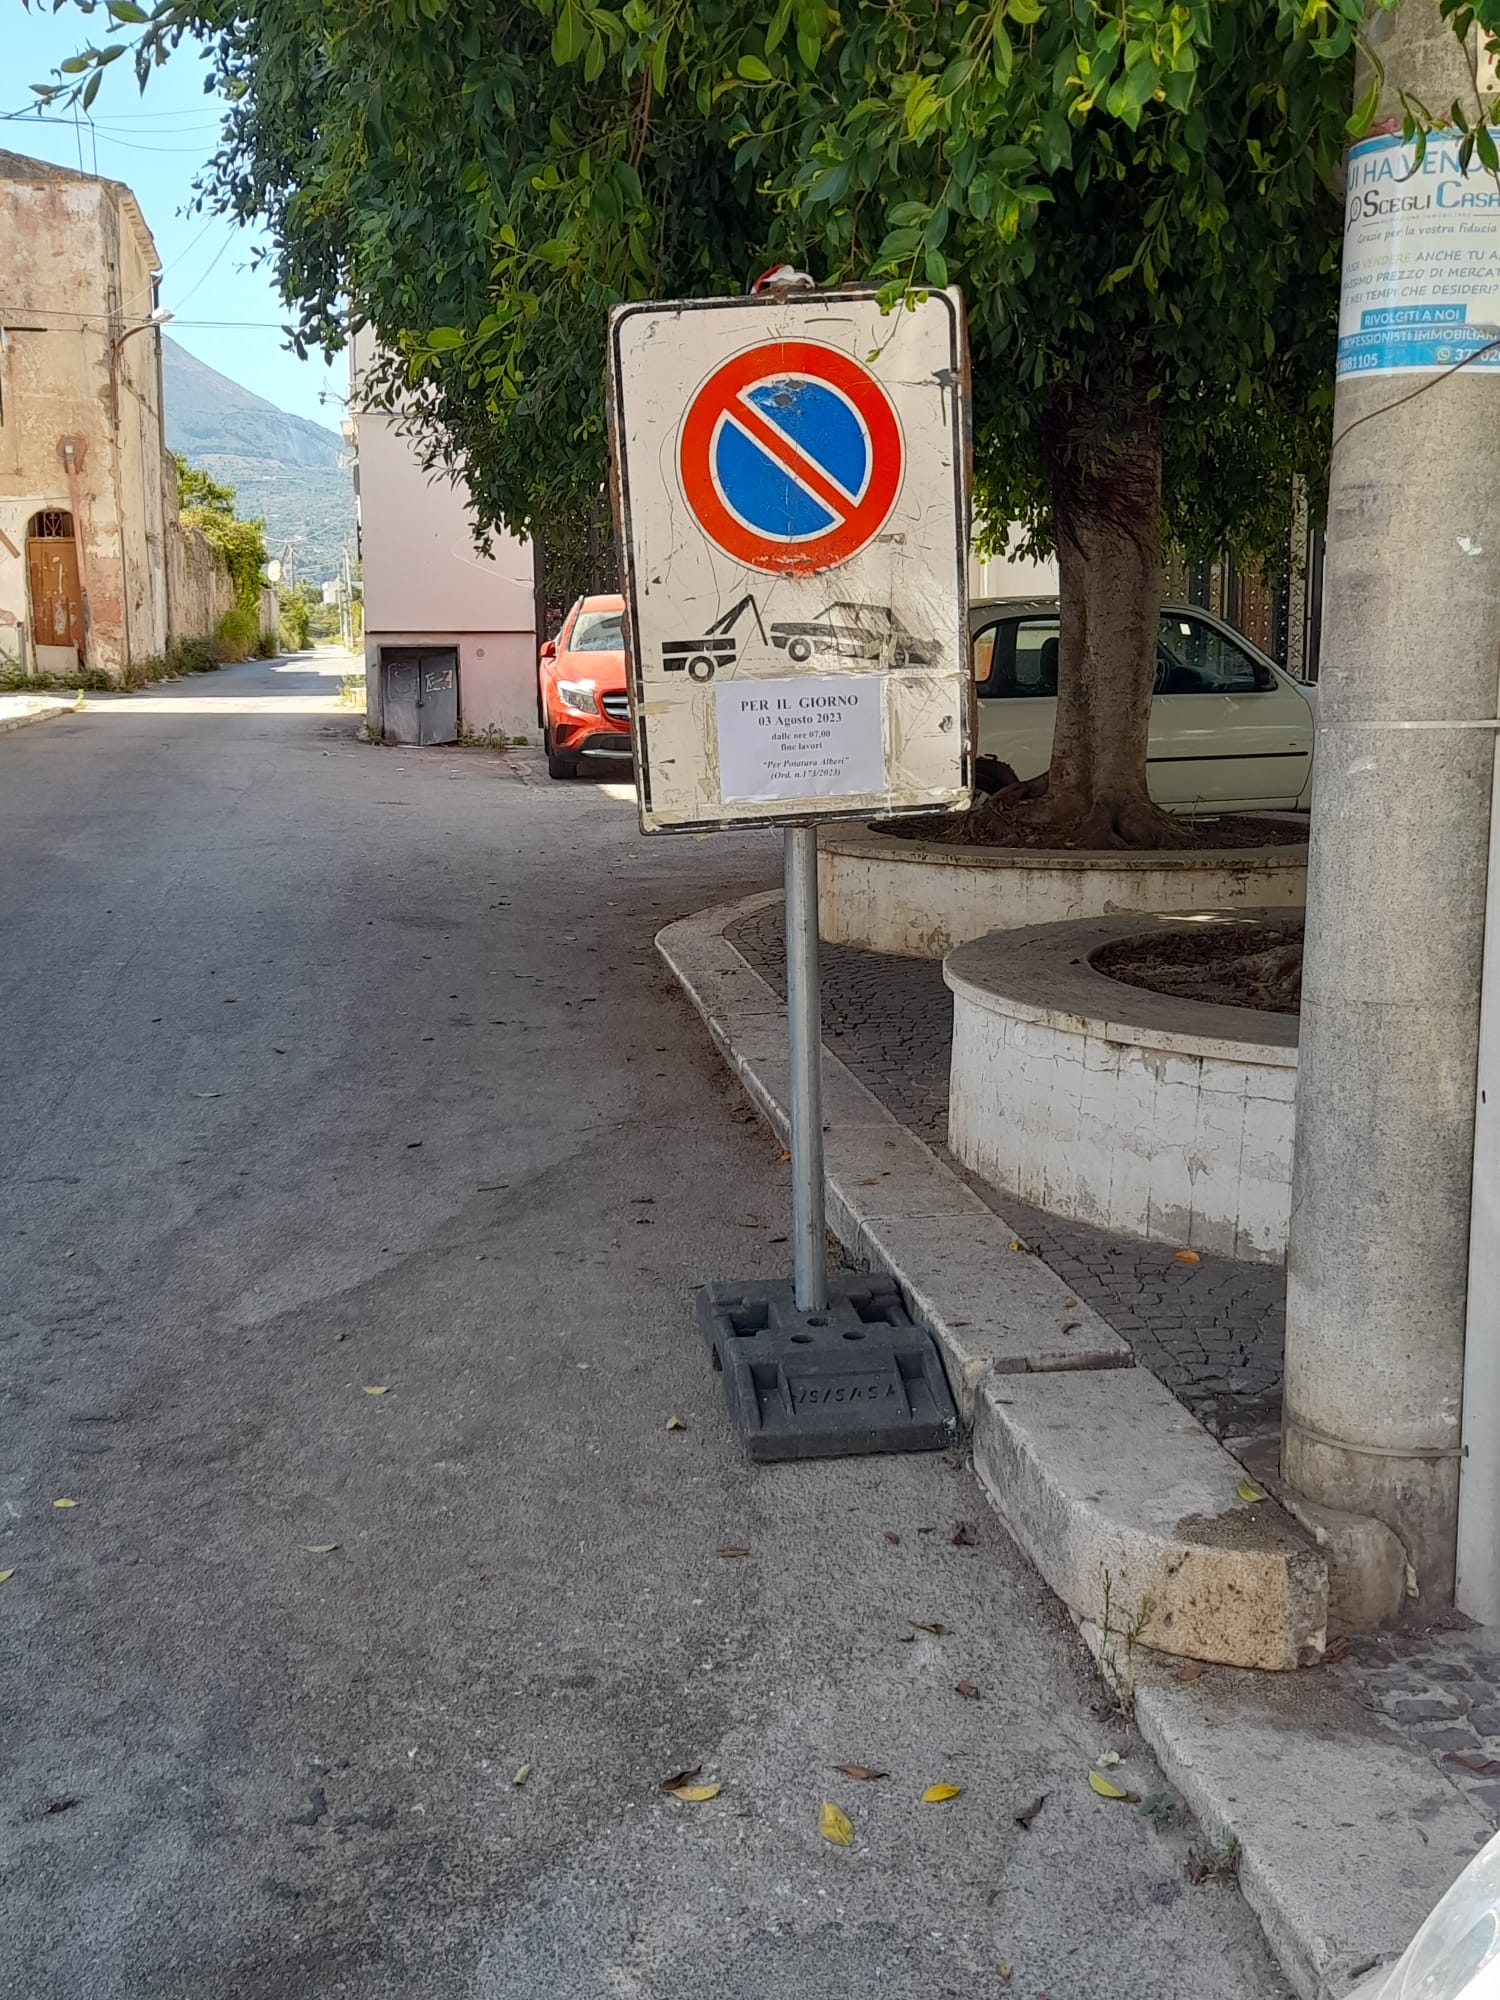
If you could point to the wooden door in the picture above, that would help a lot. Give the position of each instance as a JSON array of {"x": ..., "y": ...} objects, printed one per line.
[{"x": 52, "y": 581}]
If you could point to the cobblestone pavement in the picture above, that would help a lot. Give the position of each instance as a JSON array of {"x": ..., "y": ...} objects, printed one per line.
[
  {"x": 1441, "y": 1689},
  {"x": 1212, "y": 1332}
]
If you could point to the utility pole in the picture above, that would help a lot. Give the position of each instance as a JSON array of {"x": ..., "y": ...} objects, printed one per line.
[{"x": 1377, "y": 1260}]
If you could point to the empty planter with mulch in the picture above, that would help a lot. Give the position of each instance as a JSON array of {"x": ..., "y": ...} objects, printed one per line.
[{"x": 1162, "y": 1114}]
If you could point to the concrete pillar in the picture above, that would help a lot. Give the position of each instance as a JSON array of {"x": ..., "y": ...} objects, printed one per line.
[{"x": 1376, "y": 1267}]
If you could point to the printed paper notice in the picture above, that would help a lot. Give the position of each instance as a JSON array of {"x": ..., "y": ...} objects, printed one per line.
[
  {"x": 1421, "y": 282},
  {"x": 814, "y": 738}
]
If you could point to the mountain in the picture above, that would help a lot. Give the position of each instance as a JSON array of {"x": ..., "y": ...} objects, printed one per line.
[{"x": 293, "y": 472}]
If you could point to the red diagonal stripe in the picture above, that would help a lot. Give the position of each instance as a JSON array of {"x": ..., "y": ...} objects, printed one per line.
[{"x": 791, "y": 458}]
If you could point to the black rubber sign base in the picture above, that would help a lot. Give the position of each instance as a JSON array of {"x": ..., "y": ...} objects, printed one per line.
[{"x": 859, "y": 1377}]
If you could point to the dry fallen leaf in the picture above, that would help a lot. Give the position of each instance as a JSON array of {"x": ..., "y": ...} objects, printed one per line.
[
  {"x": 1193, "y": 1671},
  {"x": 320, "y": 1548},
  {"x": 1004, "y": 1971},
  {"x": 963, "y": 1536},
  {"x": 861, "y": 1771},
  {"x": 694, "y": 1795},
  {"x": 1107, "y": 1790},
  {"x": 65, "y": 1503},
  {"x": 1187, "y": 1257},
  {"x": 937, "y": 1795},
  {"x": 676, "y": 1424},
  {"x": 522, "y": 1775},
  {"x": 680, "y": 1778},
  {"x": 1249, "y": 1493},
  {"x": 835, "y": 1825},
  {"x": 731, "y": 1552},
  {"x": 938, "y": 1631},
  {"x": 1482, "y": 1767},
  {"x": 783, "y": 1154},
  {"x": 892, "y": 1537},
  {"x": 1028, "y": 1813},
  {"x": 1331, "y": 1655},
  {"x": 968, "y": 1690},
  {"x": 377, "y": 1389},
  {"x": 1016, "y": 1243}
]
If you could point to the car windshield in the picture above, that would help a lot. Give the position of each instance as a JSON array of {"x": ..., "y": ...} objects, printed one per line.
[
  {"x": 598, "y": 632},
  {"x": 856, "y": 614}
]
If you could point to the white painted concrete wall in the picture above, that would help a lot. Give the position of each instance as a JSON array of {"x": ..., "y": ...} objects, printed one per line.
[
  {"x": 918, "y": 899},
  {"x": 1162, "y": 1118},
  {"x": 1011, "y": 575}
]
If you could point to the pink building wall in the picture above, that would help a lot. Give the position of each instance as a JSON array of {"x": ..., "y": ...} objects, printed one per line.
[{"x": 426, "y": 583}]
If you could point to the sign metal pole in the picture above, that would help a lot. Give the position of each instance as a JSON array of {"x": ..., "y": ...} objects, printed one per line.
[{"x": 804, "y": 1012}]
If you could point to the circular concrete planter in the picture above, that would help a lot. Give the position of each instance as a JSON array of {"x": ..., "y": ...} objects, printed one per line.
[
  {"x": 918, "y": 899},
  {"x": 1121, "y": 1108}
]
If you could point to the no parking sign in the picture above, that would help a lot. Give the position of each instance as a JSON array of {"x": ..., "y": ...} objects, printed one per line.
[{"x": 791, "y": 479}]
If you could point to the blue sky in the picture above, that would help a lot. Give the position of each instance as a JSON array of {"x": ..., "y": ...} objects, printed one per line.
[{"x": 227, "y": 312}]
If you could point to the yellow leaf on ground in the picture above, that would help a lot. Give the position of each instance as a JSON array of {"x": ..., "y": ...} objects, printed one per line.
[
  {"x": 676, "y": 1424},
  {"x": 377, "y": 1388},
  {"x": 320, "y": 1548},
  {"x": 936, "y": 1795},
  {"x": 1250, "y": 1493},
  {"x": 834, "y": 1825},
  {"x": 6, "y": 1575},
  {"x": 522, "y": 1775},
  {"x": 1106, "y": 1790},
  {"x": 1187, "y": 1257},
  {"x": 65, "y": 1503},
  {"x": 1004, "y": 1971},
  {"x": 694, "y": 1795}
]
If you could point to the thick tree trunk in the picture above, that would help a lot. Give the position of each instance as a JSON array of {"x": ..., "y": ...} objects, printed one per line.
[{"x": 1105, "y": 477}]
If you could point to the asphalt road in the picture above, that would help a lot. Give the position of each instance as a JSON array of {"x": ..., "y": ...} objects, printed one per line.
[{"x": 329, "y": 1069}]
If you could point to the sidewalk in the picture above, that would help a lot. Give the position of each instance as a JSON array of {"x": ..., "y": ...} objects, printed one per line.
[
  {"x": 1354, "y": 1790},
  {"x": 1212, "y": 1332},
  {"x": 17, "y": 710}
]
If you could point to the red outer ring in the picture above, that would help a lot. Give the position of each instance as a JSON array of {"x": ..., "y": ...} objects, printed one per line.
[{"x": 695, "y": 456}]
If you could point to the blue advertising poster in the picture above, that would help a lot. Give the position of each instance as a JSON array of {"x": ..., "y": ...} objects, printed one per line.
[{"x": 1421, "y": 276}]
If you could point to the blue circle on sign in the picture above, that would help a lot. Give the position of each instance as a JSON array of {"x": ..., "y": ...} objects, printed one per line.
[{"x": 770, "y": 492}]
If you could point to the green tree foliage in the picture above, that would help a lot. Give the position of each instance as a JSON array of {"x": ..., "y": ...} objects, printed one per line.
[
  {"x": 1139, "y": 199},
  {"x": 208, "y": 505}
]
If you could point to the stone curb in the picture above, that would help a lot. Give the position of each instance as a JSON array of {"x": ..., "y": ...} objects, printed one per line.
[
  {"x": 1130, "y": 1511},
  {"x": 1346, "y": 1837},
  {"x": 60, "y": 707}
]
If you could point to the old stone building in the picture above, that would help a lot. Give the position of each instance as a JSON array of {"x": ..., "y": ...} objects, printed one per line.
[{"x": 89, "y": 538}]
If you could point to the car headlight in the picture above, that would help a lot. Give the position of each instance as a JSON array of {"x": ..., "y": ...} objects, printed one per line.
[{"x": 573, "y": 694}]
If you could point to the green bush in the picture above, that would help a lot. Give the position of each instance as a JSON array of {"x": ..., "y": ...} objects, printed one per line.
[
  {"x": 141, "y": 673},
  {"x": 296, "y": 617},
  {"x": 238, "y": 634},
  {"x": 194, "y": 656},
  {"x": 14, "y": 681},
  {"x": 267, "y": 646}
]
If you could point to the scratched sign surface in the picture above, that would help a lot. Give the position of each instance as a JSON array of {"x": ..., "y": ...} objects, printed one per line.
[{"x": 791, "y": 488}]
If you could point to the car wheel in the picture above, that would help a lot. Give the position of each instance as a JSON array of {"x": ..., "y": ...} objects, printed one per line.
[
  {"x": 558, "y": 767},
  {"x": 799, "y": 650}
]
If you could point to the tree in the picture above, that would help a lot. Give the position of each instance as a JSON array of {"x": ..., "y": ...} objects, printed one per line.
[
  {"x": 1140, "y": 202},
  {"x": 209, "y": 506}
]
